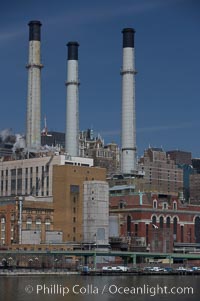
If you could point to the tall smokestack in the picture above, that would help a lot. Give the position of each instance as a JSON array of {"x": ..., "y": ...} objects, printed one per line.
[
  {"x": 128, "y": 103},
  {"x": 33, "y": 133},
  {"x": 72, "y": 114}
]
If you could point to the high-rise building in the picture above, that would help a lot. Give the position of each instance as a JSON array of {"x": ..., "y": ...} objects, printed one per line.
[
  {"x": 195, "y": 188},
  {"x": 180, "y": 157},
  {"x": 162, "y": 176}
]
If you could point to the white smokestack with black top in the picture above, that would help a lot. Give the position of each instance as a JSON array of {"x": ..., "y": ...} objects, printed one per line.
[
  {"x": 72, "y": 107},
  {"x": 128, "y": 135},
  {"x": 33, "y": 127}
]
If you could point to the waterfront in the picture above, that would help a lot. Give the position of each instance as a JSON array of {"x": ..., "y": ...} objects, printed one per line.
[{"x": 108, "y": 288}]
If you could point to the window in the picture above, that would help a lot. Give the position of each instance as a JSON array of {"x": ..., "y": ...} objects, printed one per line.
[
  {"x": 47, "y": 224},
  {"x": 147, "y": 234},
  {"x": 19, "y": 185},
  {"x": 74, "y": 188},
  {"x": 154, "y": 221},
  {"x": 13, "y": 172},
  {"x": 161, "y": 222},
  {"x": 175, "y": 228},
  {"x": 128, "y": 225},
  {"x": 136, "y": 229},
  {"x": 182, "y": 233},
  {"x": 47, "y": 182},
  {"x": 3, "y": 227},
  {"x": 197, "y": 229},
  {"x": 122, "y": 204},
  {"x": 19, "y": 172},
  {"x": 29, "y": 223},
  {"x": 38, "y": 223},
  {"x": 155, "y": 204},
  {"x": 168, "y": 222},
  {"x": 175, "y": 205},
  {"x": 26, "y": 184},
  {"x": 165, "y": 206},
  {"x": 13, "y": 186}
]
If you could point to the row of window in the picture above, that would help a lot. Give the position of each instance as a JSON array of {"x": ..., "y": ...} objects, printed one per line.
[
  {"x": 16, "y": 180},
  {"x": 122, "y": 204},
  {"x": 18, "y": 171},
  {"x": 38, "y": 224},
  {"x": 164, "y": 205}
]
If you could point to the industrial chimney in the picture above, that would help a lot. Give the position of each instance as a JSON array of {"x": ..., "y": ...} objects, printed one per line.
[
  {"x": 128, "y": 136},
  {"x": 33, "y": 134},
  {"x": 72, "y": 114}
]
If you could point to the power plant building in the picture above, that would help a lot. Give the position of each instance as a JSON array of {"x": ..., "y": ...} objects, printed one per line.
[
  {"x": 68, "y": 191},
  {"x": 65, "y": 199},
  {"x": 33, "y": 176}
]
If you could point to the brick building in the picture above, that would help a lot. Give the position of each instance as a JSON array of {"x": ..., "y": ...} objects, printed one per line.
[
  {"x": 68, "y": 192},
  {"x": 37, "y": 225},
  {"x": 180, "y": 157},
  {"x": 156, "y": 224},
  {"x": 162, "y": 176},
  {"x": 195, "y": 188}
]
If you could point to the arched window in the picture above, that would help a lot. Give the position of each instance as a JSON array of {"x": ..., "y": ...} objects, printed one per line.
[
  {"x": 154, "y": 220},
  {"x": 128, "y": 225},
  {"x": 197, "y": 229},
  {"x": 168, "y": 222},
  {"x": 38, "y": 223},
  {"x": 121, "y": 204},
  {"x": 175, "y": 205},
  {"x": 175, "y": 228},
  {"x": 155, "y": 204},
  {"x": 161, "y": 222}
]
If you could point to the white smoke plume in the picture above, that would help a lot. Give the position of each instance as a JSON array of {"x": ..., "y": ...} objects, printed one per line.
[
  {"x": 4, "y": 134},
  {"x": 51, "y": 148},
  {"x": 20, "y": 142}
]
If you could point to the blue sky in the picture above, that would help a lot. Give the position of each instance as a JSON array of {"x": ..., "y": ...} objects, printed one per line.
[{"x": 167, "y": 47}]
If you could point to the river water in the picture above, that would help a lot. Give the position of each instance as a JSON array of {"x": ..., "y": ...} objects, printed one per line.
[{"x": 105, "y": 288}]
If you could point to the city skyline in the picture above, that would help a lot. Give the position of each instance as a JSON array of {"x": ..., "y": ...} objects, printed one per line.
[{"x": 167, "y": 61}]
